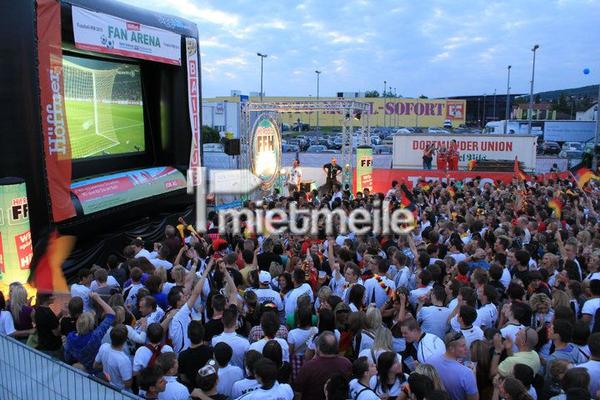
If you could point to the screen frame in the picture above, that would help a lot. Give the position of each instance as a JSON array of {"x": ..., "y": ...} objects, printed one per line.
[{"x": 85, "y": 167}]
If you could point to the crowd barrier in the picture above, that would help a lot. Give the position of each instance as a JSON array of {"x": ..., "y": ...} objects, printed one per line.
[{"x": 27, "y": 374}]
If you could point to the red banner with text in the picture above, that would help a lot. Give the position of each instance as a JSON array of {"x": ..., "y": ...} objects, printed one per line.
[{"x": 57, "y": 149}]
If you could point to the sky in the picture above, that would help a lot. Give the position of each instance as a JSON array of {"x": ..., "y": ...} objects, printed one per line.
[{"x": 435, "y": 48}]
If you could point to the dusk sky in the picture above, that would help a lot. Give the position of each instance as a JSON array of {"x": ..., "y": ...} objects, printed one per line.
[{"x": 435, "y": 48}]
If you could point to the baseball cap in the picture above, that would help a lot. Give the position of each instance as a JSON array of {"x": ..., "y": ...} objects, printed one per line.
[
  {"x": 208, "y": 369},
  {"x": 264, "y": 277}
]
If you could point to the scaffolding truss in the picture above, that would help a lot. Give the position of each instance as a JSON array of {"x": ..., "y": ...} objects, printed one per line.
[{"x": 349, "y": 110}]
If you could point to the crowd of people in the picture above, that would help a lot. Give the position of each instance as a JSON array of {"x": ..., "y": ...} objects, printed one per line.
[{"x": 493, "y": 294}]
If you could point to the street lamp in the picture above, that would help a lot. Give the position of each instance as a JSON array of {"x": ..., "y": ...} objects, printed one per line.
[
  {"x": 318, "y": 74},
  {"x": 262, "y": 57},
  {"x": 507, "y": 101},
  {"x": 494, "y": 104},
  {"x": 530, "y": 111},
  {"x": 384, "y": 100},
  {"x": 484, "y": 109}
]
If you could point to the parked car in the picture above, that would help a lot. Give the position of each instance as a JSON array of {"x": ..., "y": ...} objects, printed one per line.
[
  {"x": 550, "y": 148},
  {"x": 572, "y": 146},
  {"x": 316, "y": 148},
  {"x": 213, "y": 148},
  {"x": 571, "y": 154},
  {"x": 403, "y": 131},
  {"x": 289, "y": 148},
  {"x": 382, "y": 149},
  {"x": 330, "y": 151},
  {"x": 448, "y": 124}
]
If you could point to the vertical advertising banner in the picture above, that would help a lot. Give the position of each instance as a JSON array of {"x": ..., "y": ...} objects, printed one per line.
[
  {"x": 193, "y": 85},
  {"x": 16, "y": 249},
  {"x": 57, "y": 150},
  {"x": 364, "y": 168}
]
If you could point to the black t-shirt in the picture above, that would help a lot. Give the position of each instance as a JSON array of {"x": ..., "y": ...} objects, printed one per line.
[
  {"x": 264, "y": 260},
  {"x": 191, "y": 360},
  {"x": 67, "y": 325},
  {"x": 332, "y": 170},
  {"x": 213, "y": 328},
  {"x": 45, "y": 322}
]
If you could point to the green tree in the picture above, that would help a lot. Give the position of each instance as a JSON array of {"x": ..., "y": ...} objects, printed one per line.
[
  {"x": 423, "y": 97},
  {"x": 210, "y": 135},
  {"x": 371, "y": 93}
]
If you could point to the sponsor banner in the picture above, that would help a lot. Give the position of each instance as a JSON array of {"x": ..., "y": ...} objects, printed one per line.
[
  {"x": 193, "y": 86},
  {"x": 105, "y": 33},
  {"x": 408, "y": 149},
  {"x": 265, "y": 150},
  {"x": 108, "y": 191},
  {"x": 382, "y": 111},
  {"x": 227, "y": 206},
  {"x": 57, "y": 150},
  {"x": 364, "y": 168},
  {"x": 382, "y": 178},
  {"x": 569, "y": 131},
  {"x": 16, "y": 249}
]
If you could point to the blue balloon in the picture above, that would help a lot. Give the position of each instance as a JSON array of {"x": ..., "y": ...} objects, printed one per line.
[{"x": 586, "y": 71}]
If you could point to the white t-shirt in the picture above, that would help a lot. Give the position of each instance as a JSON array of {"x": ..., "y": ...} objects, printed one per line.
[
  {"x": 178, "y": 329},
  {"x": 414, "y": 295},
  {"x": 402, "y": 277},
  {"x": 115, "y": 364},
  {"x": 167, "y": 286},
  {"x": 158, "y": 263},
  {"x": 279, "y": 391},
  {"x": 143, "y": 253},
  {"x": 505, "y": 278},
  {"x": 300, "y": 339},
  {"x": 392, "y": 392},
  {"x": 358, "y": 391},
  {"x": 429, "y": 345},
  {"x": 458, "y": 257},
  {"x": 239, "y": 345},
  {"x": 260, "y": 344},
  {"x": 510, "y": 331},
  {"x": 264, "y": 295},
  {"x": 434, "y": 319},
  {"x": 244, "y": 386},
  {"x": 144, "y": 354},
  {"x": 487, "y": 316},
  {"x": 375, "y": 293},
  {"x": 83, "y": 292},
  {"x": 471, "y": 335},
  {"x": 292, "y": 299},
  {"x": 131, "y": 295},
  {"x": 593, "y": 368},
  {"x": 7, "y": 325},
  {"x": 227, "y": 377},
  {"x": 174, "y": 390},
  {"x": 590, "y": 307},
  {"x": 110, "y": 281}
]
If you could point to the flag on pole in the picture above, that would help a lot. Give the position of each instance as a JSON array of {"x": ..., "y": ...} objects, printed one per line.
[
  {"x": 519, "y": 173},
  {"x": 583, "y": 176},
  {"x": 556, "y": 205}
]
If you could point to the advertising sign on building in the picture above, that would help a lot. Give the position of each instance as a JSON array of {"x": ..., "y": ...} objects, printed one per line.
[{"x": 364, "y": 168}]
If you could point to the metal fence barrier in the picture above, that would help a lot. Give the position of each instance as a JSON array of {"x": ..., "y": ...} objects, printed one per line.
[{"x": 27, "y": 374}]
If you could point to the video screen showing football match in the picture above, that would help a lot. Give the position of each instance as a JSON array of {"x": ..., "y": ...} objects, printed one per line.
[{"x": 104, "y": 107}]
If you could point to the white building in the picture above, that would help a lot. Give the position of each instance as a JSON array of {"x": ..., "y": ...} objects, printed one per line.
[{"x": 588, "y": 115}]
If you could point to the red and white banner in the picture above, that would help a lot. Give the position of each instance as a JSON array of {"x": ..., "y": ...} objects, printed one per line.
[
  {"x": 57, "y": 150},
  {"x": 112, "y": 35},
  {"x": 408, "y": 148},
  {"x": 193, "y": 86}
]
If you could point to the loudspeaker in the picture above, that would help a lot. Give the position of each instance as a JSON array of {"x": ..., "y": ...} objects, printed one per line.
[{"x": 232, "y": 147}]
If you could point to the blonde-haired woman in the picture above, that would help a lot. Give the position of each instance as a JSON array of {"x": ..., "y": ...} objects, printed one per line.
[
  {"x": 21, "y": 311},
  {"x": 133, "y": 335},
  {"x": 381, "y": 343}
]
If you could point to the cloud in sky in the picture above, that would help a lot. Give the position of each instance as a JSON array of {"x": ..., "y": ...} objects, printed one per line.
[{"x": 437, "y": 48}]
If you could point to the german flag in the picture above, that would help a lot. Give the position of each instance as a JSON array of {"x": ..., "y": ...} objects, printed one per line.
[
  {"x": 518, "y": 172},
  {"x": 424, "y": 185},
  {"x": 45, "y": 271},
  {"x": 451, "y": 191},
  {"x": 471, "y": 165},
  {"x": 583, "y": 176},
  {"x": 556, "y": 205}
]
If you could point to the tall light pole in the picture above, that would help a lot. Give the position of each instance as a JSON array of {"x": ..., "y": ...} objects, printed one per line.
[
  {"x": 530, "y": 110},
  {"x": 507, "y": 101},
  {"x": 595, "y": 153},
  {"x": 262, "y": 57},
  {"x": 483, "y": 119},
  {"x": 384, "y": 100},
  {"x": 494, "y": 104},
  {"x": 318, "y": 74}
]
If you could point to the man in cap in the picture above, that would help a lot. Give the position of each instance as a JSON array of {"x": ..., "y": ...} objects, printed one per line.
[{"x": 264, "y": 294}]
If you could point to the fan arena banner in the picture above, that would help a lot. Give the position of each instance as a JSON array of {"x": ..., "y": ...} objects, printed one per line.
[
  {"x": 112, "y": 35},
  {"x": 265, "y": 150},
  {"x": 57, "y": 150}
]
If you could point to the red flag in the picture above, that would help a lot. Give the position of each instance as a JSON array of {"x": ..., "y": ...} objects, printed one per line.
[
  {"x": 522, "y": 176},
  {"x": 45, "y": 271}
]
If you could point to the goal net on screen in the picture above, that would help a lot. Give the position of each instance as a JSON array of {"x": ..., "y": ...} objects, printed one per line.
[{"x": 91, "y": 90}]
